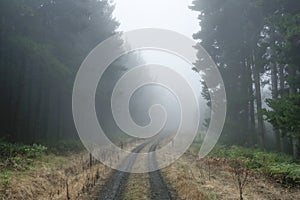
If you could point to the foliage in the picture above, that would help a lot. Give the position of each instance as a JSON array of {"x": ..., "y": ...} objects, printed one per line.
[
  {"x": 253, "y": 42},
  {"x": 240, "y": 173},
  {"x": 65, "y": 146},
  {"x": 5, "y": 176},
  {"x": 8, "y": 150},
  {"x": 43, "y": 43},
  {"x": 284, "y": 114},
  {"x": 19, "y": 156},
  {"x": 286, "y": 173},
  {"x": 275, "y": 165},
  {"x": 230, "y": 33},
  {"x": 288, "y": 50}
]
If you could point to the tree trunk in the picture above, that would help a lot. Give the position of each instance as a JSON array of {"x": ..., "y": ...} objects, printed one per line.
[
  {"x": 292, "y": 77},
  {"x": 274, "y": 81},
  {"x": 281, "y": 92},
  {"x": 38, "y": 107},
  {"x": 260, "y": 121},
  {"x": 295, "y": 144},
  {"x": 251, "y": 104},
  {"x": 18, "y": 104},
  {"x": 292, "y": 91},
  {"x": 281, "y": 80}
]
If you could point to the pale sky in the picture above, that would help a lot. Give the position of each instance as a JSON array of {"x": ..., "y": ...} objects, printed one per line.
[{"x": 167, "y": 14}]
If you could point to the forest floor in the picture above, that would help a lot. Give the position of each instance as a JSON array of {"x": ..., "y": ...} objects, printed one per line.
[
  {"x": 55, "y": 177},
  {"x": 194, "y": 179},
  {"x": 71, "y": 177}
]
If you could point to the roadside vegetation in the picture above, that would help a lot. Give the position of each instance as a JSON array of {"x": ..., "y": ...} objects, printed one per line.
[
  {"x": 282, "y": 168},
  {"x": 279, "y": 166},
  {"x": 22, "y": 166},
  {"x": 18, "y": 156},
  {"x": 255, "y": 45}
]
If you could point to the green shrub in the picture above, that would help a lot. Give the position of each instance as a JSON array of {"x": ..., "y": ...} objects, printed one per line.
[
  {"x": 287, "y": 174},
  {"x": 34, "y": 151},
  {"x": 277, "y": 165},
  {"x": 19, "y": 156},
  {"x": 9, "y": 150},
  {"x": 5, "y": 177},
  {"x": 66, "y": 146}
]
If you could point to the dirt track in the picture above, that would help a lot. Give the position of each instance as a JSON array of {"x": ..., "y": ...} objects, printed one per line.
[
  {"x": 114, "y": 189},
  {"x": 159, "y": 188}
]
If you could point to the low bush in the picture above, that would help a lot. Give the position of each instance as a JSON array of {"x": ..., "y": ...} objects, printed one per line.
[
  {"x": 8, "y": 150},
  {"x": 276, "y": 165},
  {"x": 5, "y": 177},
  {"x": 286, "y": 173},
  {"x": 65, "y": 146},
  {"x": 19, "y": 156}
]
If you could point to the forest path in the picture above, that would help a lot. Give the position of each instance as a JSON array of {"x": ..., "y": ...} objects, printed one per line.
[
  {"x": 188, "y": 176},
  {"x": 123, "y": 185}
]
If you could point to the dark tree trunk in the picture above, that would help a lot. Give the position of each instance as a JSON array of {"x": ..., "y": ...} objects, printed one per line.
[
  {"x": 260, "y": 121},
  {"x": 274, "y": 81},
  {"x": 251, "y": 104}
]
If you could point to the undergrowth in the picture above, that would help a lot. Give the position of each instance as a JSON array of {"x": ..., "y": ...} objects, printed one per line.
[
  {"x": 65, "y": 146},
  {"x": 279, "y": 166},
  {"x": 20, "y": 157}
]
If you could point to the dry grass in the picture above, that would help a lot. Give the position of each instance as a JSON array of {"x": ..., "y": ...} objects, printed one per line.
[
  {"x": 138, "y": 187},
  {"x": 190, "y": 177},
  {"x": 182, "y": 180},
  {"x": 60, "y": 177},
  {"x": 63, "y": 177},
  {"x": 56, "y": 177}
]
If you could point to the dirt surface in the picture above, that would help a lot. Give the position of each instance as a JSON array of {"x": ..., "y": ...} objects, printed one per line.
[
  {"x": 120, "y": 184},
  {"x": 159, "y": 188},
  {"x": 114, "y": 188}
]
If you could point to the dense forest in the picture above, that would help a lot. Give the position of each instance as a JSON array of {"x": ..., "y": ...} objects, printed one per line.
[
  {"x": 255, "y": 45},
  {"x": 42, "y": 46}
]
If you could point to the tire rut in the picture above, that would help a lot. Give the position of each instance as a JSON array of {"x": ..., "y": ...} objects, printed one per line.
[
  {"x": 114, "y": 188},
  {"x": 159, "y": 188}
]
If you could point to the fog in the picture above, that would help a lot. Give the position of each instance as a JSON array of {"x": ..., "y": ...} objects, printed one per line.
[{"x": 166, "y": 14}]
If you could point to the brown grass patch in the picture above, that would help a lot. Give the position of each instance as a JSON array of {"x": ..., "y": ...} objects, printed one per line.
[
  {"x": 138, "y": 187},
  {"x": 191, "y": 179},
  {"x": 56, "y": 177},
  {"x": 182, "y": 180}
]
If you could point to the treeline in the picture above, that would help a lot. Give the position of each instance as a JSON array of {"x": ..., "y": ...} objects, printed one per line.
[
  {"x": 43, "y": 43},
  {"x": 256, "y": 43}
]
